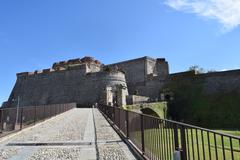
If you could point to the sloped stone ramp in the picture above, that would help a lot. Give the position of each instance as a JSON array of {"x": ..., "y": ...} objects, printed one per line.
[{"x": 79, "y": 134}]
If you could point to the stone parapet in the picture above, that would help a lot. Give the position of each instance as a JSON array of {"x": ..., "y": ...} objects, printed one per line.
[
  {"x": 77, "y": 61},
  {"x": 88, "y": 64},
  {"x": 136, "y": 99}
]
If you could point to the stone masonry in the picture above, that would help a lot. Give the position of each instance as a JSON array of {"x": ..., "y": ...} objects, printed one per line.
[{"x": 87, "y": 81}]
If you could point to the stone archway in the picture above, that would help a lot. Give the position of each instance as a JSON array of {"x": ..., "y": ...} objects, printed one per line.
[{"x": 150, "y": 111}]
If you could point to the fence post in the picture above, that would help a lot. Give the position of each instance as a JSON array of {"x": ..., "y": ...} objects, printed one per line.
[
  {"x": 114, "y": 115},
  {"x": 52, "y": 110},
  {"x": 21, "y": 121},
  {"x": 35, "y": 114},
  {"x": 44, "y": 111},
  {"x": 176, "y": 141},
  {"x": 183, "y": 143},
  {"x": 49, "y": 111},
  {"x": 127, "y": 123},
  {"x": 142, "y": 134},
  {"x": 1, "y": 114}
]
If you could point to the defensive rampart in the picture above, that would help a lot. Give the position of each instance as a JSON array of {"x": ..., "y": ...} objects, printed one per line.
[
  {"x": 64, "y": 87},
  {"x": 145, "y": 76},
  {"x": 209, "y": 100}
]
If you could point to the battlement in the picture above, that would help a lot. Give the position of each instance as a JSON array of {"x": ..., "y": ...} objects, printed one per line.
[
  {"x": 87, "y": 64},
  {"x": 74, "y": 62},
  {"x": 187, "y": 74},
  {"x": 193, "y": 75},
  {"x": 133, "y": 61},
  {"x": 22, "y": 74},
  {"x": 183, "y": 74},
  {"x": 227, "y": 73},
  {"x": 161, "y": 60}
]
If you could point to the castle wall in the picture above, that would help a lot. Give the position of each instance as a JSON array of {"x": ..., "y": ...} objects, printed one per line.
[
  {"x": 197, "y": 98},
  {"x": 151, "y": 88},
  {"x": 137, "y": 75},
  {"x": 227, "y": 81},
  {"x": 64, "y": 87},
  {"x": 215, "y": 82},
  {"x": 150, "y": 66},
  {"x": 81, "y": 82},
  {"x": 134, "y": 70},
  {"x": 209, "y": 100},
  {"x": 162, "y": 69},
  {"x": 134, "y": 99}
]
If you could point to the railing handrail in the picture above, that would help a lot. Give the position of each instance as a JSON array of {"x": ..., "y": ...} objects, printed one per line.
[
  {"x": 188, "y": 140},
  {"x": 36, "y": 106},
  {"x": 193, "y": 126},
  {"x": 16, "y": 118},
  {"x": 186, "y": 125}
]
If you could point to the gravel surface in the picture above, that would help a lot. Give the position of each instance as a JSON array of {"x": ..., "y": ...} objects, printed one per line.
[
  {"x": 113, "y": 148},
  {"x": 69, "y": 126},
  {"x": 74, "y": 132},
  {"x": 57, "y": 154},
  {"x": 111, "y": 151},
  {"x": 8, "y": 152}
]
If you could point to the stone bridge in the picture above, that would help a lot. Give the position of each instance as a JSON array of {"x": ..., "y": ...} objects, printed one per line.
[
  {"x": 79, "y": 134},
  {"x": 158, "y": 109}
]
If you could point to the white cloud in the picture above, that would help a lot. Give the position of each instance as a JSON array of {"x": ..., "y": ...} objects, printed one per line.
[{"x": 226, "y": 12}]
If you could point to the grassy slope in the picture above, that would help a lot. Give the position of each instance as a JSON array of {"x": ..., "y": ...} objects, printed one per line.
[
  {"x": 158, "y": 142},
  {"x": 235, "y": 133}
]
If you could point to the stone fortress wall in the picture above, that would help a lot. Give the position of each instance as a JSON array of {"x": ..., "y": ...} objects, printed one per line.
[
  {"x": 144, "y": 76},
  {"x": 83, "y": 82},
  {"x": 87, "y": 81},
  {"x": 213, "y": 82},
  {"x": 209, "y": 100}
]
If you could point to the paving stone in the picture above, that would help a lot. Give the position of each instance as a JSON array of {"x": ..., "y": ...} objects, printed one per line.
[{"x": 69, "y": 136}]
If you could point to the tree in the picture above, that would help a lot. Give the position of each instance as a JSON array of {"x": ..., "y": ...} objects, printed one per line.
[
  {"x": 211, "y": 71},
  {"x": 197, "y": 69}
]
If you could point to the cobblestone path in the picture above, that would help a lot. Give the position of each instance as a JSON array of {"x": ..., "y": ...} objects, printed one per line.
[{"x": 79, "y": 134}]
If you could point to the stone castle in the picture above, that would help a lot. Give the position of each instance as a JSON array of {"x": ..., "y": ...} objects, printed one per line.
[{"x": 87, "y": 81}]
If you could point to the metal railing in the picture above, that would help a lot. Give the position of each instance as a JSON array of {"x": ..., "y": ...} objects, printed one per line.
[
  {"x": 15, "y": 119},
  {"x": 163, "y": 139}
]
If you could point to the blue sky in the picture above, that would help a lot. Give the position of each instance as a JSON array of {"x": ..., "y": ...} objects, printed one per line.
[{"x": 34, "y": 34}]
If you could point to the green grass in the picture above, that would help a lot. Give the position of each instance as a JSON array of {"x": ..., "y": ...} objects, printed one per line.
[
  {"x": 157, "y": 145},
  {"x": 235, "y": 133}
]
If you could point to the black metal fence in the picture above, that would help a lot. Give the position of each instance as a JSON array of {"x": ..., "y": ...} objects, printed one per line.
[
  {"x": 14, "y": 119},
  {"x": 162, "y": 139}
]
